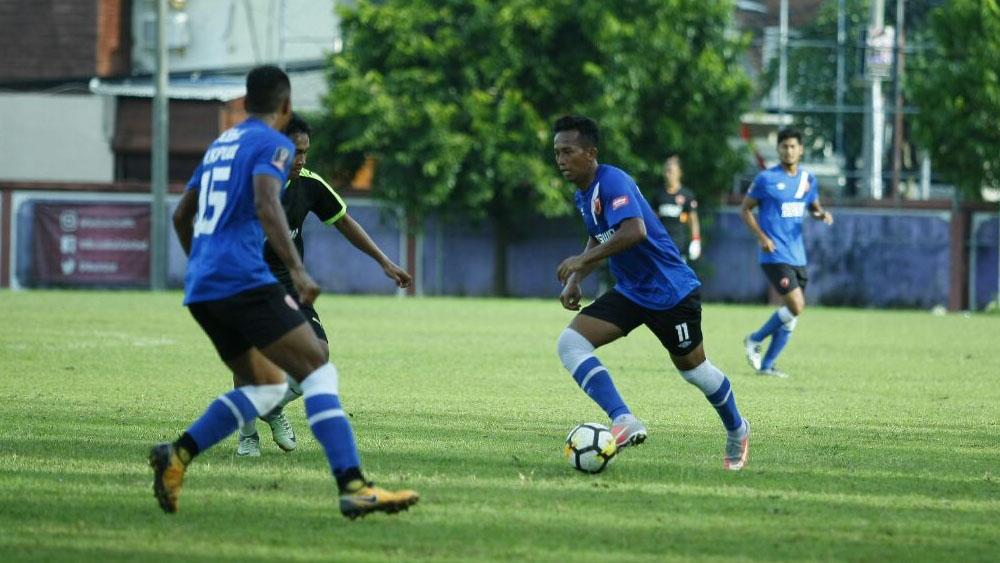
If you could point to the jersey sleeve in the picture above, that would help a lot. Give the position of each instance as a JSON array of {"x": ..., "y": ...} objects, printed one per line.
[
  {"x": 757, "y": 188},
  {"x": 619, "y": 199},
  {"x": 195, "y": 182},
  {"x": 274, "y": 158},
  {"x": 691, "y": 202},
  {"x": 813, "y": 189},
  {"x": 328, "y": 206}
]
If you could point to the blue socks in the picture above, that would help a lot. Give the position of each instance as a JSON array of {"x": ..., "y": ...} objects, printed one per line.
[
  {"x": 778, "y": 342},
  {"x": 329, "y": 422},
  {"x": 232, "y": 410},
  {"x": 596, "y": 382},
  {"x": 715, "y": 385},
  {"x": 772, "y": 324}
]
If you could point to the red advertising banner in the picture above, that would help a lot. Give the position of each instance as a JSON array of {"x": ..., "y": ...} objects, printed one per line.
[{"x": 90, "y": 244}]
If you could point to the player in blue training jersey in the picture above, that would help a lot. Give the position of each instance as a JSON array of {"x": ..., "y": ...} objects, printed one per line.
[
  {"x": 654, "y": 288},
  {"x": 231, "y": 202},
  {"x": 784, "y": 193}
]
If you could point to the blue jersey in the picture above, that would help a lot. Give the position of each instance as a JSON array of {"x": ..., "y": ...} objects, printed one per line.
[
  {"x": 784, "y": 200},
  {"x": 651, "y": 273},
  {"x": 226, "y": 256}
]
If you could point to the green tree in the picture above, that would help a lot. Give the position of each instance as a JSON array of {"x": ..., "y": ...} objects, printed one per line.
[
  {"x": 956, "y": 85},
  {"x": 454, "y": 98}
]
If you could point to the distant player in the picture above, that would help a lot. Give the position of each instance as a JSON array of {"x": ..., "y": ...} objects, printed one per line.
[
  {"x": 231, "y": 202},
  {"x": 306, "y": 192},
  {"x": 677, "y": 207},
  {"x": 654, "y": 288},
  {"x": 784, "y": 193}
]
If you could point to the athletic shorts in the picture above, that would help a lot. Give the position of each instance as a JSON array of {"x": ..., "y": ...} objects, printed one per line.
[
  {"x": 785, "y": 277},
  {"x": 679, "y": 328},
  {"x": 252, "y": 319},
  {"x": 310, "y": 314}
]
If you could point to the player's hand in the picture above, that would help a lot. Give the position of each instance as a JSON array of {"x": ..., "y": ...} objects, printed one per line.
[
  {"x": 570, "y": 296},
  {"x": 694, "y": 249},
  {"x": 307, "y": 289},
  {"x": 826, "y": 217},
  {"x": 568, "y": 267},
  {"x": 766, "y": 244},
  {"x": 397, "y": 274}
]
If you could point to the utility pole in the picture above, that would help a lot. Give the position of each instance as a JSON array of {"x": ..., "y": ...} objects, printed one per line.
[
  {"x": 897, "y": 122},
  {"x": 281, "y": 34},
  {"x": 876, "y": 104},
  {"x": 841, "y": 71},
  {"x": 783, "y": 61},
  {"x": 158, "y": 210}
]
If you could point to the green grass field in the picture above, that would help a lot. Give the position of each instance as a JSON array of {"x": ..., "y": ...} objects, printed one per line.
[{"x": 883, "y": 446}]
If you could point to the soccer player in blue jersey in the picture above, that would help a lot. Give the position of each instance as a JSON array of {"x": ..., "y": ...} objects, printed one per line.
[
  {"x": 784, "y": 193},
  {"x": 306, "y": 192},
  {"x": 654, "y": 288},
  {"x": 231, "y": 202}
]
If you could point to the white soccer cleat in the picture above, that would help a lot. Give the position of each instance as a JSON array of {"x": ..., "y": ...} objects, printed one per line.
[
  {"x": 737, "y": 450},
  {"x": 249, "y": 446},
  {"x": 753, "y": 349},
  {"x": 772, "y": 372},
  {"x": 281, "y": 431},
  {"x": 628, "y": 431}
]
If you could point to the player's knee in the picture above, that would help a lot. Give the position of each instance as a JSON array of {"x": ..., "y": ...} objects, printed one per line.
[
  {"x": 788, "y": 317},
  {"x": 573, "y": 349},
  {"x": 265, "y": 397}
]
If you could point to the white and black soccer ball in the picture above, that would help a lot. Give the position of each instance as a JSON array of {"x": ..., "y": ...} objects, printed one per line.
[{"x": 590, "y": 447}]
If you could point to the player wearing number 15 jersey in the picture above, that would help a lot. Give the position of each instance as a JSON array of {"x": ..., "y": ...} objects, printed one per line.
[
  {"x": 655, "y": 288},
  {"x": 231, "y": 202}
]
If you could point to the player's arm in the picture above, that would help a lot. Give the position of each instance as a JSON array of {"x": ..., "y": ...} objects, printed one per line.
[
  {"x": 266, "y": 190},
  {"x": 187, "y": 209},
  {"x": 818, "y": 212},
  {"x": 571, "y": 294},
  {"x": 694, "y": 248},
  {"x": 357, "y": 236},
  {"x": 746, "y": 211},
  {"x": 629, "y": 233}
]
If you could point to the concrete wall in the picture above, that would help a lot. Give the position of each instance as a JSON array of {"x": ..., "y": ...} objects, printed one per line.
[{"x": 60, "y": 138}]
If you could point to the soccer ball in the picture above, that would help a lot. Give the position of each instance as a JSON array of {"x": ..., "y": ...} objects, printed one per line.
[{"x": 590, "y": 447}]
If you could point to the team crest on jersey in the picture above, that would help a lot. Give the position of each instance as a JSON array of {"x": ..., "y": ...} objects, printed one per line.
[
  {"x": 620, "y": 201},
  {"x": 280, "y": 158},
  {"x": 595, "y": 206},
  {"x": 681, "y": 199}
]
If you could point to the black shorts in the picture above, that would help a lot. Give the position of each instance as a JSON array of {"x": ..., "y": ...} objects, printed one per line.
[
  {"x": 310, "y": 314},
  {"x": 785, "y": 277},
  {"x": 679, "y": 328},
  {"x": 251, "y": 319}
]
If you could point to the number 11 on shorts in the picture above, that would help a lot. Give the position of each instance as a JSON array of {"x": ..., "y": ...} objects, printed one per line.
[{"x": 682, "y": 332}]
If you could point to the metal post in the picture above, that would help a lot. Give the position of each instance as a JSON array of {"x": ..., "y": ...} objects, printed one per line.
[
  {"x": 876, "y": 103},
  {"x": 841, "y": 71},
  {"x": 158, "y": 218},
  {"x": 281, "y": 34},
  {"x": 897, "y": 123},
  {"x": 925, "y": 175},
  {"x": 783, "y": 61}
]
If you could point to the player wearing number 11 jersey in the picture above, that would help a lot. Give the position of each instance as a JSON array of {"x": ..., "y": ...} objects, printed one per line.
[
  {"x": 231, "y": 202},
  {"x": 655, "y": 288}
]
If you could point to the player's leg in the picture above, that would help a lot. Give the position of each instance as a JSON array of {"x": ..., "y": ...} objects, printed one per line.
[
  {"x": 229, "y": 411},
  {"x": 247, "y": 440},
  {"x": 782, "y": 278},
  {"x": 302, "y": 356},
  {"x": 795, "y": 303},
  {"x": 281, "y": 428},
  {"x": 600, "y": 323},
  {"x": 679, "y": 330}
]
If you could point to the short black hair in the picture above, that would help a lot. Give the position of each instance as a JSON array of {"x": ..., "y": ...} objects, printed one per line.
[
  {"x": 586, "y": 126},
  {"x": 789, "y": 133},
  {"x": 297, "y": 124},
  {"x": 267, "y": 88}
]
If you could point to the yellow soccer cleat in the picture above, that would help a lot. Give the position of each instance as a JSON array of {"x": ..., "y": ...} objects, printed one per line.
[
  {"x": 168, "y": 475},
  {"x": 369, "y": 498}
]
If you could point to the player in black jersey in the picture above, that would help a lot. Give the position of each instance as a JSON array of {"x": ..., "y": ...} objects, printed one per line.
[
  {"x": 306, "y": 192},
  {"x": 677, "y": 208}
]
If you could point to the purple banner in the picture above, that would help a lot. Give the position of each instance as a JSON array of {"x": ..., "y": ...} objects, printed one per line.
[{"x": 91, "y": 244}]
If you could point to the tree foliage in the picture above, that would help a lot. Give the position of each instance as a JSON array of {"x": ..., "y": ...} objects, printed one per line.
[
  {"x": 455, "y": 98},
  {"x": 956, "y": 84}
]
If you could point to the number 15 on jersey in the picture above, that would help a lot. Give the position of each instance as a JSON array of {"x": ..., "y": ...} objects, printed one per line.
[{"x": 211, "y": 200}]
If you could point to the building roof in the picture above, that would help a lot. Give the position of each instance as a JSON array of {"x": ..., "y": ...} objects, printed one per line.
[{"x": 221, "y": 88}]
